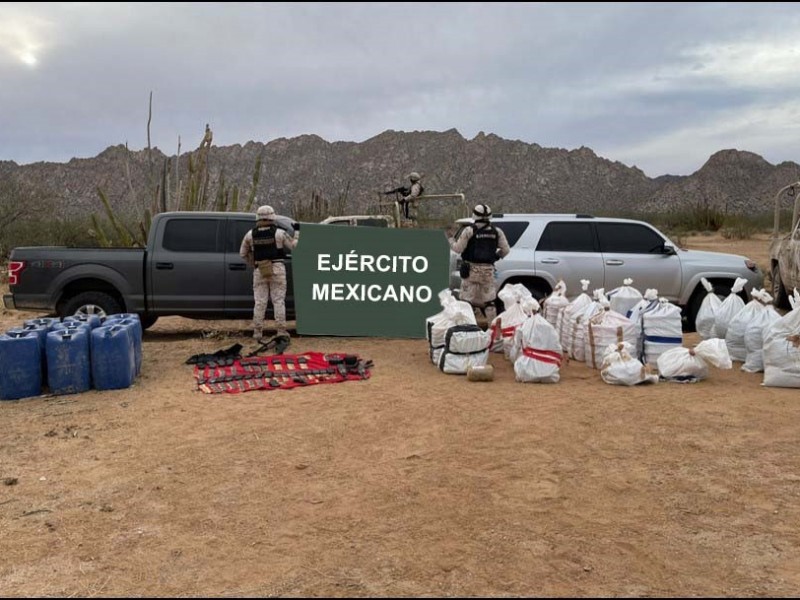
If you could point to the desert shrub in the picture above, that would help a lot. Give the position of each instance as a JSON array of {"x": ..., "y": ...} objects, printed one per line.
[{"x": 738, "y": 227}]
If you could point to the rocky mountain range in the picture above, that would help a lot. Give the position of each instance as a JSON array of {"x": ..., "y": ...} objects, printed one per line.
[{"x": 509, "y": 175}]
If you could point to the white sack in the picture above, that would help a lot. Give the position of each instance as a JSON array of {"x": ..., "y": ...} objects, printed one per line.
[
  {"x": 707, "y": 315},
  {"x": 685, "y": 365},
  {"x": 624, "y": 298},
  {"x": 754, "y": 335},
  {"x": 620, "y": 368},
  {"x": 729, "y": 308},
  {"x": 782, "y": 350}
]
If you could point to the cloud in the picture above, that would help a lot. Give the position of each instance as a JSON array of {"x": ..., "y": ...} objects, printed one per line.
[{"x": 619, "y": 78}]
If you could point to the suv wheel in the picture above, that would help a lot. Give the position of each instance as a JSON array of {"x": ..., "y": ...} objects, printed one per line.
[
  {"x": 538, "y": 288},
  {"x": 721, "y": 289}
]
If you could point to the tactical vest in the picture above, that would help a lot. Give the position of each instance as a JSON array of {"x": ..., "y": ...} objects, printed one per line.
[
  {"x": 482, "y": 246},
  {"x": 264, "y": 245}
]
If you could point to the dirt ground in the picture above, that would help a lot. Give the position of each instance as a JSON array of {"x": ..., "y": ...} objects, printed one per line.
[{"x": 413, "y": 483}]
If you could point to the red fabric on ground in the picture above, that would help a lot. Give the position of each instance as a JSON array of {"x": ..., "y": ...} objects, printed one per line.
[{"x": 278, "y": 372}]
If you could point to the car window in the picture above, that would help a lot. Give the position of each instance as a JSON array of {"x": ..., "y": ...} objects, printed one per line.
[
  {"x": 237, "y": 228},
  {"x": 236, "y": 232},
  {"x": 512, "y": 229},
  {"x": 371, "y": 222},
  {"x": 567, "y": 237},
  {"x": 629, "y": 238},
  {"x": 191, "y": 235}
]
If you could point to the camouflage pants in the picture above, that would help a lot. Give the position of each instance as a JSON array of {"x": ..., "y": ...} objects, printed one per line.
[
  {"x": 266, "y": 287},
  {"x": 409, "y": 208},
  {"x": 479, "y": 289}
]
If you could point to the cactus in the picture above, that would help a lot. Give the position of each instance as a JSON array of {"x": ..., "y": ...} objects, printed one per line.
[{"x": 196, "y": 195}]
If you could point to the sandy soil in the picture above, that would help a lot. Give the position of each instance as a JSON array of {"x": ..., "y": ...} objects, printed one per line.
[{"x": 413, "y": 483}]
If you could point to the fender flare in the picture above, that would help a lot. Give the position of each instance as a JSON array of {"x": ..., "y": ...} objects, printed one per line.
[{"x": 55, "y": 290}]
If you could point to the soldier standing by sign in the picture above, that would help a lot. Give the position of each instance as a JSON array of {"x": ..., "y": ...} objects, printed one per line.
[
  {"x": 480, "y": 246},
  {"x": 264, "y": 247}
]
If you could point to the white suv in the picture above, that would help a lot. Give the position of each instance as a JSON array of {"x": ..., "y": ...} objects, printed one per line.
[{"x": 549, "y": 247}]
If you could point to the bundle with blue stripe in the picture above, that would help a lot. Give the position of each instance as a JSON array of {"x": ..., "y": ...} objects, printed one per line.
[{"x": 662, "y": 327}]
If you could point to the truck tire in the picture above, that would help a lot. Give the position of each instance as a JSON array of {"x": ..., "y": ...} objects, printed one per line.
[
  {"x": 538, "y": 287},
  {"x": 147, "y": 321},
  {"x": 90, "y": 303},
  {"x": 779, "y": 296}
]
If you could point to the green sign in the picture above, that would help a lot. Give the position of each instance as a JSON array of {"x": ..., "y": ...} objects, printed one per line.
[{"x": 368, "y": 281}]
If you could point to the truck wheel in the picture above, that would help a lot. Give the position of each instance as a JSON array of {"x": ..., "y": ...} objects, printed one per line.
[
  {"x": 147, "y": 321},
  {"x": 779, "y": 296},
  {"x": 538, "y": 288},
  {"x": 91, "y": 303}
]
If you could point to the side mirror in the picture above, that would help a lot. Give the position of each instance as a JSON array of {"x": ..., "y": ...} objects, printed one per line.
[{"x": 669, "y": 250}]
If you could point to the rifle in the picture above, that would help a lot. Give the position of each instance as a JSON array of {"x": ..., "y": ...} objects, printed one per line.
[
  {"x": 402, "y": 190},
  {"x": 279, "y": 343}
]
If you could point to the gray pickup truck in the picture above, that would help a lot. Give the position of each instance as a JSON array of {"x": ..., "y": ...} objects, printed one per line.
[
  {"x": 191, "y": 267},
  {"x": 549, "y": 247}
]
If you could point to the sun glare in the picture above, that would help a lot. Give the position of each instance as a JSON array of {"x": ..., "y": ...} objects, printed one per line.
[{"x": 28, "y": 58}]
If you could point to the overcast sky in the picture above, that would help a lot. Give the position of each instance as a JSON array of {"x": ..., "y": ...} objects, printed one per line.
[{"x": 660, "y": 87}]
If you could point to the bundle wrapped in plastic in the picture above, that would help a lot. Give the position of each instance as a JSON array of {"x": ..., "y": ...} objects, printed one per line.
[
  {"x": 530, "y": 307},
  {"x": 649, "y": 300},
  {"x": 707, "y": 315},
  {"x": 465, "y": 346},
  {"x": 608, "y": 328},
  {"x": 454, "y": 312},
  {"x": 687, "y": 366},
  {"x": 624, "y": 298},
  {"x": 751, "y": 313},
  {"x": 555, "y": 303},
  {"x": 503, "y": 325},
  {"x": 620, "y": 367},
  {"x": 663, "y": 330},
  {"x": 565, "y": 323},
  {"x": 539, "y": 360},
  {"x": 782, "y": 348},
  {"x": 729, "y": 308},
  {"x": 580, "y": 325},
  {"x": 754, "y": 335}
]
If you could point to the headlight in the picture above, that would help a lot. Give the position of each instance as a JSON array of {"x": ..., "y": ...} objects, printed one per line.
[{"x": 751, "y": 265}]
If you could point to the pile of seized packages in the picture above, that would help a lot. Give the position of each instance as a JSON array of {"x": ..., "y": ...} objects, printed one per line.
[{"x": 630, "y": 337}]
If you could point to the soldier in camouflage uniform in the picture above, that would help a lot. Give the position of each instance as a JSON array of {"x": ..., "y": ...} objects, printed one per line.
[
  {"x": 264, "y": 247},
  {"x": 409, "y": 201},
  {"x": 480, "y": 246}
]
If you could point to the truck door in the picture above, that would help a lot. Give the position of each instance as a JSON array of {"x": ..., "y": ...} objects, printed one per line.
[
  {"x": 186, "y": 266},
  {"x": 637, "y": 251},
  {"x": 239, "y": 277}
]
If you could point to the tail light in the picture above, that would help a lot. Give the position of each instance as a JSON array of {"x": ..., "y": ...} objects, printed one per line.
[{"x": 15, "y": 267}]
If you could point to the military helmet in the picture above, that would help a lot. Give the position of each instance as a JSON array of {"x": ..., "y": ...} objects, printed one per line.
[
  {"x": 265, "y": 213},
  {"x": 414, "y": 177},
  {"x": 482, "y": 212}
]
